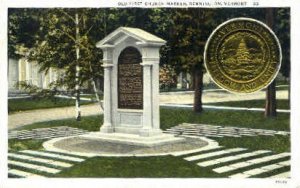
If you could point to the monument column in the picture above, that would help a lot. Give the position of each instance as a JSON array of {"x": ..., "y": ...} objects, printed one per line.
[
  {"x": 151, "y": 119},
  {"x": 155, "y": 94},
  {"x": 107, "y": 65},
  {"x": 147, "y": 102}
]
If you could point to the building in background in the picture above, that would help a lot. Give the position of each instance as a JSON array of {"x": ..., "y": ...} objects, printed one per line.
[{"x": 23, "y": 70}]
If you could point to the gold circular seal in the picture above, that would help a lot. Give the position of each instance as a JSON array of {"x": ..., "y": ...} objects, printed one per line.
[{"x": 242, "y": 55}]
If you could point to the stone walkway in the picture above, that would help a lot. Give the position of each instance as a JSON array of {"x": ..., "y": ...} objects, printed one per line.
[
  {"x": 34, "y": 164},
  {"x": 212, "y": 131},
  {"x": 46, "y": 133},
  {"x": 241, "y": 163}
]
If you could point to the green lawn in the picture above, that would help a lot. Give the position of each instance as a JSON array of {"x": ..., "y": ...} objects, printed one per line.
[
  {"x": 131, "y": 167},
  {"x": 17, "y": 105},
  {"x": 170, "y": 117},
  {"x": 173, "y": 116},
  {"x": 281, "y": 104},
  {"x": 32, "y": 144},
  {"x": 90, "y": 123},
  {"x": 276, "y": 143}
]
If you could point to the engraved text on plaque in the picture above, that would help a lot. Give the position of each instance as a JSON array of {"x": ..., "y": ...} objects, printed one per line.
[{"x": 130, "y": 79}]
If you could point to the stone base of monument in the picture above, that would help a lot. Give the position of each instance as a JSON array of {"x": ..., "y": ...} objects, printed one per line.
[{"x": 132, "y": 139}]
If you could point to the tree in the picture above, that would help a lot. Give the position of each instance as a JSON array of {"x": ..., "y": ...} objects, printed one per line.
[
  {"x": 23, "y": 26},
  {"x": 270, "y": 106},
  {"x": 64, "y": 41},
  {"x": 282, "y": 30},
  {"x": 190, "y": 30}
]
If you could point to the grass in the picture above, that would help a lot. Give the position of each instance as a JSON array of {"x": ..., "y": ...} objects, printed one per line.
[
  {"x": 174, "y": 116},
  {"x": 17, "y": 105},
  {"x": 90, "y": 123},
  {"x": 281, "y": 103},
  {"x": 276, "y": 143},
  {"x": 28, "y": 144},
  {"x": 167, "y": 166},
  {"x": 133, "y": 167}
]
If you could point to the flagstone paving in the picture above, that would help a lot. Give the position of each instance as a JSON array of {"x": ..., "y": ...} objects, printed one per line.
[
  {"x": 45, "y": 133},
  {"x": 243, "y": 165},
  {"x": 213, "y": 154},
  {"x": 219, "y": 131},
  {"x": 34, "y": 164},
  {"x": 232, "y": 162}
]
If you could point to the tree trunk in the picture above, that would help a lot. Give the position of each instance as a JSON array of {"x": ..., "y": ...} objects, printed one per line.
[
  {"x": 95, "y": 88},
  {"x": 77, "y": 103},
  {"x": 198, "y": 85},
  {"x": 270, "y": 107},
  {"x": 192, "y": 81}
]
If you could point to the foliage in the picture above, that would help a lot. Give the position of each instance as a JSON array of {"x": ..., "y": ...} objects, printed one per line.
[
  {"x": 57, "y": 43},
  {"x": 190, "y": 29},
  {"x": 39, "y": 93},
  {"x": 167, "y": 77},
  {"x": 22, "y": 30},
  {"x": 282, "y": 30}
]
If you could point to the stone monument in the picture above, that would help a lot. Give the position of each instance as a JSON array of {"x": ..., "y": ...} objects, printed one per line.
[{"x": 131, "y": 88}]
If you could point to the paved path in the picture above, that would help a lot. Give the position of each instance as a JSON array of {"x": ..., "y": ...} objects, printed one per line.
[
  {"x": 213, "y": 96},
  {"x": 27, "y": 117},
  {"x": 214, "y": 107}
]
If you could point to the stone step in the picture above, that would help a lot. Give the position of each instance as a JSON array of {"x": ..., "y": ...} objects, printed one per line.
[
  {"x": 261, "y": 170},
  {"x": 33, "y": 166},
  {"x": 40, "y": 160},
  {"x": 51, "y": 155},
  {"x": 213, "y": 154},
  {"x": 23, "y": 174},
  {"x": 249, "y": 163},
  {"x": 232, "y": 158},
  {"x": 181, "y": 153}
]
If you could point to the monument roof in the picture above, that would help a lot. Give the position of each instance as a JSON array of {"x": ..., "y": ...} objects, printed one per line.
[{"x": 123, "y": 32}]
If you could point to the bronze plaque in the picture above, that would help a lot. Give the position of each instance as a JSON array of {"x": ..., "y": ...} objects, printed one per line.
[
  {"x": 242, "y": 55},
  {"x": 130, "y": 79}
]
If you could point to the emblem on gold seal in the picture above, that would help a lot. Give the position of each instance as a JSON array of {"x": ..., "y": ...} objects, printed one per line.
[{"x": 242, "y": 55}]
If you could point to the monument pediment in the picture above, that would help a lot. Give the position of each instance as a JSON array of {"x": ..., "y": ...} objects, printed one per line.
[{"x": 128, "y": 33}]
